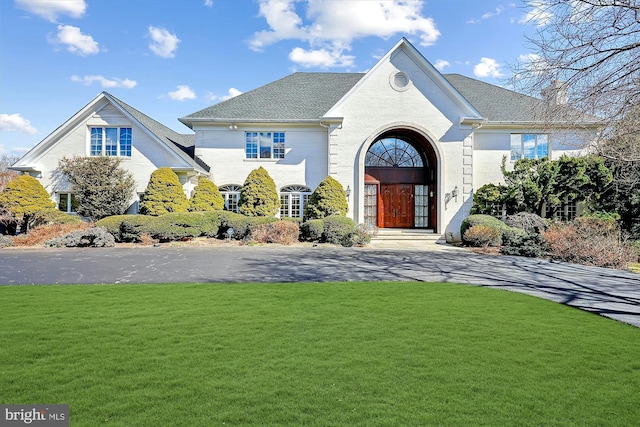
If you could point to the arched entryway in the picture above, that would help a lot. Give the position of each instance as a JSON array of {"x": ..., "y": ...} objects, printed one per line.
[{"x": 400, "y": 181}]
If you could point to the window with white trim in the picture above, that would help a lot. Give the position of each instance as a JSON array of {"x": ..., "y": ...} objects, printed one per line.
[
  {"x": 529, "y": 146},
  {"x": 264, "y": 145},
  {"x": 231, "y": 195},
  {"x": 110, "y": 141},
  {"x": 293, "y": 199},
  {"x": 67, "y": 202}
]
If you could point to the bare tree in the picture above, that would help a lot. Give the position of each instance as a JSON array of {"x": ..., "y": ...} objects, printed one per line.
[
  {"x": 586, "y": 55},
  {"x": 7, "y": 175}
]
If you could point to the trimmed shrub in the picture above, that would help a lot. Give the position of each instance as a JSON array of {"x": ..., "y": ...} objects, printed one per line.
[
  {"x": 489, "y": 199},
  {"x": 523, "y": 244},
  {"x": 54, "y": 216},
  {"x": 5, "y": 242},
  {"x": 178, "y": 226},
  {"x": 164, "y": 194},
  {"x": 127, "y": 228},
  {"x": 213, "y": 223},
  {"x": 206, "y": 197},
  {"x": 337, "y": 228},
  {"x": 482, "y": 236},
  {"x": 361, "y": 236},
  {"x": 329, "y": 198},
  {"x": 588, "y": 241},
  {"x": 259, "y": 196},
  {"x": 485, "y": 220},
  {"x": 283, "y": 232},
  {"x": 96, "y": 237},
  {"x": 311, "y": 230},
  {"x": 241, "y": 225},
  {"x": 112, "y": 224}
]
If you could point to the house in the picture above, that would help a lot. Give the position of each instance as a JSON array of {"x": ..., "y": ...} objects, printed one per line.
[{"x": 408, "y": 143}]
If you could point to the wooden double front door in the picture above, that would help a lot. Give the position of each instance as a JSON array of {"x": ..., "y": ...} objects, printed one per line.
[{"x": 397, "y": 205}]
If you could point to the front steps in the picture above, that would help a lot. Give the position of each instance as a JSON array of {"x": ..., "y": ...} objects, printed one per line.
[{"x": 402, "y": 237}]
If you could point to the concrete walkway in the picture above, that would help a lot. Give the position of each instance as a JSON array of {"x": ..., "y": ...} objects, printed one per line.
[{"x": 610, "y": 293}]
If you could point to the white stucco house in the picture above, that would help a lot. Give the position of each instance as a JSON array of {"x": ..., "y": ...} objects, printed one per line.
[{"x": 409, "y": 144}]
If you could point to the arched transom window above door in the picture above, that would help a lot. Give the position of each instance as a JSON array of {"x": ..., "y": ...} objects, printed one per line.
[{"x": 393, "y": 152}]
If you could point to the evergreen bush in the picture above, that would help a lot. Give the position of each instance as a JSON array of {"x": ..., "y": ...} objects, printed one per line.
[
  {"x": 164, "y": 194},
  {"x": 329, "y": 198},
  {"x": 311, "y": 230},
  {"x": 482, "y": 236},
  {"x": 96, "y": 237},
  {"x": 179, "y": 226},
  {"x": 361, "y": 236},
  {"x": 206, "y": 197},
  {"x": 26, "y": 200},
  {"x": 337, "y": 229},
  {"x": 485, "y": 220},
  {"x": 259, "y": 196},
  {"x": 242, "y": 225}
]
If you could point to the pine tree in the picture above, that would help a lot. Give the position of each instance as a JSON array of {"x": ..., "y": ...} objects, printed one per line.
[
  {"x": 329, "y": 198},
  {"x": 259, "y": 196},
  {"x": 206, "y": 197},
  {"x": 25, "y": 198},
  {"x": 164, "y": 194}
]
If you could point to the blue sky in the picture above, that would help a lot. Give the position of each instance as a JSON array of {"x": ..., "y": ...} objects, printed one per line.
[{"x": 171, "y": 58}]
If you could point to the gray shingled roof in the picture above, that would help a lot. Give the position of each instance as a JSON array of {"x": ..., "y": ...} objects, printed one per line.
[
  {"x": 308, "y": 96},
  {"x": 181, "y": 144},
  {"x": 299, "y": 96}
]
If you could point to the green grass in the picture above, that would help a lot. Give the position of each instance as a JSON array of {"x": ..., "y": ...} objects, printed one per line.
[{"x": 368, "y": 354}]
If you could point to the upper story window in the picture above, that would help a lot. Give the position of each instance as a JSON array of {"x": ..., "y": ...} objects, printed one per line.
[
  {"x": 111, "y": 142},
  {"x": 264, "y": 145},
  {"x": 529, "y": 146}
]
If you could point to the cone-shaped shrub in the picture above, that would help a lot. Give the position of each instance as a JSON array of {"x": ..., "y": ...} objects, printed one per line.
[
  {"x": 206, "y": 197},
  {"x": 329, "y": 198},
  {"x": 25, "y": 198},
  {"x": 259, "y": 196},
  {"x": 164, "y": 194}
]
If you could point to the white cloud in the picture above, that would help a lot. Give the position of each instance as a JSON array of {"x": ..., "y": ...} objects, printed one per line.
[
  {"x": 232, "y": 93},
  {"x": 320, "y": 58},
  {"x": 208, "y": 3},
  {"x": 15, "y": 122},
  {"x": 163, "y": 43},
  {"x": 441, "y": 64},
  {"x": 76, "y": 42},
  {"x": 487, "y": 15},
  {"x": 487, "y": 67},
  {"x": 182, "y": 93},
  {"x": 330, "y": 26},
  {"x": 533, "y": 63},
  {"x": 105, "y": 82},
  {"x": 539, "y": 14},
  {"x": 51, "y": 9}
]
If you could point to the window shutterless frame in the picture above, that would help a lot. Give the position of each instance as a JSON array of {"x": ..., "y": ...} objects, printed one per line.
[{"x": 110, "y": 141}]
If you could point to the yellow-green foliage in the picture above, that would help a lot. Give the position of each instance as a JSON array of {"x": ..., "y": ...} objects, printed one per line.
[
  {"x": 329, "y": 198},
  {"x": 206, "y": 197},
  {"x": 259, "y": 196},
  {"x": 25, "y": 198},
  {"x": 164, "y": 194}
]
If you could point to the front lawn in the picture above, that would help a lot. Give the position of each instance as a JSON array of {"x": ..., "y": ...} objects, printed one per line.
[{"x": 314, "y": 354}]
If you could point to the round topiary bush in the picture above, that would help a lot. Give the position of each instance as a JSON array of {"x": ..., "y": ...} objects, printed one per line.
[
  {"x": 311, "y": 230},
  {"x": 329, "y": 198},
  {"x": 337, "y": 228},
  {"x": 485, "y": 220}
]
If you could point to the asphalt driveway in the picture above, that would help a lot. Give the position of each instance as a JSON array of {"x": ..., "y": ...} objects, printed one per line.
[{"x": 611, "y": 293}]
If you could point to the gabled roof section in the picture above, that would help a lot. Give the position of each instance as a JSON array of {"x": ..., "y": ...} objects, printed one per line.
[
  {"x": 179, "y": 144},
  {"x": 405, "y": 46},
  {"x": 500, "y": 105},
  {"x": 299, "y": 97}
]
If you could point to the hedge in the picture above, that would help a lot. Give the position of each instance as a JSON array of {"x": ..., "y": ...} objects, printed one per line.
[
  {"x": 484, "y": 220},
  {"x": 336, "y": 229}
]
